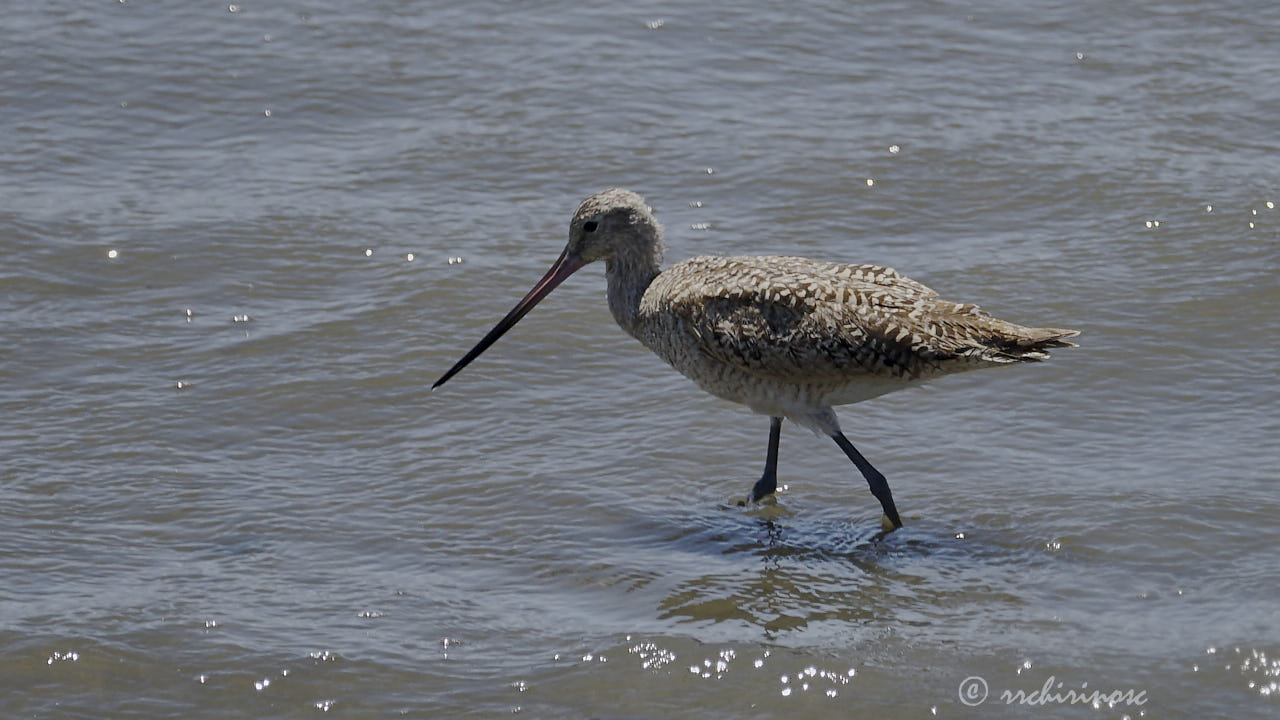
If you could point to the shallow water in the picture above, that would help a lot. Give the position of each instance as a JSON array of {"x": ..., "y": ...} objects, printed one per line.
[{"x": 227, "y": 491}]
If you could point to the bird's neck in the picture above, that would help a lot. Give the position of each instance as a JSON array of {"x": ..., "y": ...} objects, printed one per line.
[{"x": 629, "y": 275}]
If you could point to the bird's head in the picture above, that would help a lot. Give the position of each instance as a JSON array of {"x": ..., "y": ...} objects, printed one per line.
[{"x": 613, "y": 225}]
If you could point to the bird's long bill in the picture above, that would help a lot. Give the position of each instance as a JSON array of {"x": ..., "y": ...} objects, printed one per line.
[{"x": 564, "y": 266}]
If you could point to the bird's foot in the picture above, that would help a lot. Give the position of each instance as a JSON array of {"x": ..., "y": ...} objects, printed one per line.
[
  {"x": 767, "y": 485},
  {"x": 887, "y": 526},
  {"x": 767, "y": 494}
]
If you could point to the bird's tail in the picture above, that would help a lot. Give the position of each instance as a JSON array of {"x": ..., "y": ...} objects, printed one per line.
[{"x": 1015, "y": 343}]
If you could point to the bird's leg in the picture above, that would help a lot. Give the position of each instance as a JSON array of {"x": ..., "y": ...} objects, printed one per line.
[
  {"x": 879, "y": 486},
  {"x": 768, "y": 482}
]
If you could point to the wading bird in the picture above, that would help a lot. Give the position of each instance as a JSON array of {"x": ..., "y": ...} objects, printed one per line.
[{"x": 788, "y": 337}]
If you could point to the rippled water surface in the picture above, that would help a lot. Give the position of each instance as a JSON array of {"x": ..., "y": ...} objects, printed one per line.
[{"x": 241, "y": 241}]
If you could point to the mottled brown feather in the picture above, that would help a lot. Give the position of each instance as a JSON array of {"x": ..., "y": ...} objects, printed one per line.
[{"x": 797, "y": 320}]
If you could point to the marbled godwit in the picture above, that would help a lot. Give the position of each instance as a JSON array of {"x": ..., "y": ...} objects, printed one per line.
[{"x": 788, "y": 337}]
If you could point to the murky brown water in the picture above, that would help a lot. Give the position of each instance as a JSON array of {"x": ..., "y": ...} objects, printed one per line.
[{"x": 303, "y": 529}]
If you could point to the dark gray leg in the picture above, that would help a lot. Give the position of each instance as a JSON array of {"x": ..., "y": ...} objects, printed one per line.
[
  {"x": 879, "y": 486},
  {"x": 768, "y": 482}
]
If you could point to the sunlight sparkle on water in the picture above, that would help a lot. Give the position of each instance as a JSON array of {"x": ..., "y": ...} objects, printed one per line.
[
  {"x": 67, "y": 656},
  {"x": 651, "y": 656},
  {"x": 801, "y": 681},
  {"x": 1266, "y": 672}
]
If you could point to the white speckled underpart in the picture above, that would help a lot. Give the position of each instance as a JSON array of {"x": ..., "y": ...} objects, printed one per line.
[{"x": 788, "y": 336}]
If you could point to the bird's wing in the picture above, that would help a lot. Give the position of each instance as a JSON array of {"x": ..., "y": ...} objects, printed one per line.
[
  {"x": 790, "y": 319},
  {"x": 799, "y": 320}
]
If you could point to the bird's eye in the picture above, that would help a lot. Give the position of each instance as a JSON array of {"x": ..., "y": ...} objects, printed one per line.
[{"x": 590, "y": 226}]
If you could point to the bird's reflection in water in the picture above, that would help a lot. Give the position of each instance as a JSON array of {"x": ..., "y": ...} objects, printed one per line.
[
  {"x": 815, "y": 571},
  {"x": 801, "y": 578}
]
